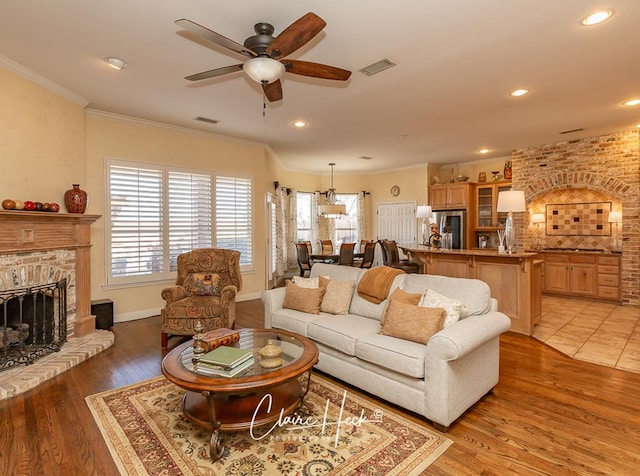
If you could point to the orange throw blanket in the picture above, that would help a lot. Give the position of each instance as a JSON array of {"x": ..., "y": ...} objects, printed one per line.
[{"x": 376, "y": 283}]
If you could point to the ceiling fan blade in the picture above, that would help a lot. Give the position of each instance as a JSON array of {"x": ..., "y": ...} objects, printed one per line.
[
  {"x": 214, "y": 37},
  {"x": 273, "y": 91},
  {"x": 296, "y": 35},
  {"x": 212, "y": 73},
  {"x": 316, "y": 70}
]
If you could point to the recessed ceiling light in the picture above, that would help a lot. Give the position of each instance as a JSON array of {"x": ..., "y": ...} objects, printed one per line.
[
  {"x": 116, "y": 63},
  {"x": 299, "y": 124},
  {"x": 404, "y": 136},
  {"x": 519, "y": 92},
  {"x": 483, "y": 151},
  {"x": 638, "y": 126},
  {"x": 631, "y": 102},
  {"x": 597, "y": 17}
]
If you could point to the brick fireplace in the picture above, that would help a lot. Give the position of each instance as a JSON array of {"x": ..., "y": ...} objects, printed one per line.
[{"x": 37, "y": 246}]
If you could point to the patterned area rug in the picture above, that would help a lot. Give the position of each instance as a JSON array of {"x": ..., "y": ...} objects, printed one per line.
[{"x": 147, "y": 434}]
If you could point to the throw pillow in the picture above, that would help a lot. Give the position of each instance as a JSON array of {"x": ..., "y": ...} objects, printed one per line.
[
  {"x": 414, "y": 323},
  {"x": 203, "y": 284},
  {"x": 306, "y": 282},
  {"x": 315, "y": 282},
  {"x": 337, "y": 297},
  {"x": 402, "y": 296},
  {"x": 303, "y": 299},
  {"x": 453, "y": 307}
]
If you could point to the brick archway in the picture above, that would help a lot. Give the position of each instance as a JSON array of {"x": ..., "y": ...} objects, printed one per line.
[{"x": 562, "y": 180}]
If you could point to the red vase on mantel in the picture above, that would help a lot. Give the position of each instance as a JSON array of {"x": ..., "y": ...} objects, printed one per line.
[{"x": 75, "y": 199}]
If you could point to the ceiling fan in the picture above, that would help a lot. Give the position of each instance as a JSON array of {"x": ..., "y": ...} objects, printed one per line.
[{"x": 267, "y": 53}]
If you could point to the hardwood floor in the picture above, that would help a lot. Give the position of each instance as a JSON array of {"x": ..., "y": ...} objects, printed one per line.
[{"x": 548, "y": 415}]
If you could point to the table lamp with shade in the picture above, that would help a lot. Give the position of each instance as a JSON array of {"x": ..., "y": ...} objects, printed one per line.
[
  {"x": 424, "y": 212},
  {"x": 615, "y": 217},
  {"x": 537, "y": 218},
  {"x": 509, "y": 202}
]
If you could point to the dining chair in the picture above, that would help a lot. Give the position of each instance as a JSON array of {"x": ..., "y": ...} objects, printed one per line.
[
  {"x": 327, "y": 247},
  {"x": 368, "y": 255},
  {"x": 304, "y": 263},
  {"x": 391, "y": 257},
  {"x": 346, "y": 254}
]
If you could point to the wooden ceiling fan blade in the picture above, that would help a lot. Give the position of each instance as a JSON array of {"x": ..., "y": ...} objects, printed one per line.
[
  {"x": 212, "y": 36},
  {"x": 316, "y": 70},
  {"x": 273, "y": 91},
  {"x": 212, "y": 73},
  {"x": 296, "y": 35}
]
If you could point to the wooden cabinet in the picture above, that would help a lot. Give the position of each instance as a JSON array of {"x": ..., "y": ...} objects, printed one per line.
[
  {"x": 449, "y": 197},
  {"x": 583, "y": 275},
  {"x": 485, "y": 206},
  {"x": 609, "y": 277}
]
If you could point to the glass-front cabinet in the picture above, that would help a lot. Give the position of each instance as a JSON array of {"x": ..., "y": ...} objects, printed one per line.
[{"x": 487, "y": 217}]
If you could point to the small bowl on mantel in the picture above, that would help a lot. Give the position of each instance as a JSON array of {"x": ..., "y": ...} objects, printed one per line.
[{"x": 462, "y": 178}]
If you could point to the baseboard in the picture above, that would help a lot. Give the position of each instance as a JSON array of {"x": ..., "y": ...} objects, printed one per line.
[{"x": 248, "y": 297}]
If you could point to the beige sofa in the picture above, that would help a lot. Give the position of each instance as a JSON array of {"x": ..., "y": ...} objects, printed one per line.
[{"x": 439, "y": 380}]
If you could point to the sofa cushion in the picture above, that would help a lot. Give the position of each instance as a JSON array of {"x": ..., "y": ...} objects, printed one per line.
[
  {"x": 362, "y": 307},
  {"x": 453, "y": 308},
  {"x": 341, "y": 332},
  {"x": 336, "y": 271},
  {"x": 399, "y": 355},
  {"x": 410, "y": 322},
  {"x": 337, "y": 297},
  {"x": 294, "y": 321},
  {"x": 474, "y": 294},
  {"x": 303, "y": 299}
]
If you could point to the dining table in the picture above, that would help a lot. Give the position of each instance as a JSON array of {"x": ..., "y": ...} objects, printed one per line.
[{"x": 332, "y": 256}]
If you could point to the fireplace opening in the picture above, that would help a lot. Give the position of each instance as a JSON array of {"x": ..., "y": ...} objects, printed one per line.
[{"x": 33, "y": 322}]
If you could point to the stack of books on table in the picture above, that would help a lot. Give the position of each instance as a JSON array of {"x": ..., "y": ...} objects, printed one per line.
[{"x": 225, "y": 361}]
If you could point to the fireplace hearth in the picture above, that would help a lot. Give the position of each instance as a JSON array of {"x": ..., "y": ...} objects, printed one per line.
[{"x": 33, "y": 322}]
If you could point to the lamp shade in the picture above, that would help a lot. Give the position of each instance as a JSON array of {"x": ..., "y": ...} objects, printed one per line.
[
  {"x": 537, "y": 218},
  {"x": 263, "y": 70},
  {"x": 615, "y": 217},
  {"x": 330, "y": 210},
  {"x": 511, "y": 201},
  {"x": 423, "y": 211}
]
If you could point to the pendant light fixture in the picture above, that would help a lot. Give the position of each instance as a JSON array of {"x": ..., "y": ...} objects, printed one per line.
[{"x": 331, "y": 209}]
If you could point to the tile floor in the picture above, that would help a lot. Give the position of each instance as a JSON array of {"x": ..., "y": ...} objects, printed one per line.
[{"x": 593, "y": 331}]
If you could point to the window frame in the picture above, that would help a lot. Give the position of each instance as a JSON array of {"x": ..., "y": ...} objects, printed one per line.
[{"x": 167, "y": 275}]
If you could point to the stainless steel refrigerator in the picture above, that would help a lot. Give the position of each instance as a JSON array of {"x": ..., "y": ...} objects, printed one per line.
[{"x": 454, "y": 222}]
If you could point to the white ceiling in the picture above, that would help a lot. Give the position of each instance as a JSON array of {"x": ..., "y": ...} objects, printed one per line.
[{"x": 457, "y": 60}]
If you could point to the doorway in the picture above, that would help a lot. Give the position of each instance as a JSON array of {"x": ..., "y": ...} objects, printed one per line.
[{"x": 396, "y": 221}]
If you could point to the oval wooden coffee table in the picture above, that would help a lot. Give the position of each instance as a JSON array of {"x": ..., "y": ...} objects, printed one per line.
[{"x": 254, "y": 398}]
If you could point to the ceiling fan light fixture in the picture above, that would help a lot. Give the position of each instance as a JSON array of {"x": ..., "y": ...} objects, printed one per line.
[{"x": 263, "y": 70}]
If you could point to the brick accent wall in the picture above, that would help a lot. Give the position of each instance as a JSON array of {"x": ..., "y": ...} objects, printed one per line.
[{"x": 608, "y": 166}]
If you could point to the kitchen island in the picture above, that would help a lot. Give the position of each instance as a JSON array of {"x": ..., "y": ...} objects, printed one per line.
[{"x": 515, "y": 279}]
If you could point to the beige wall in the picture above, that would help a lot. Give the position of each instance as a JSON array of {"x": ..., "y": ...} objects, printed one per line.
[
  {"x": 109, "y": 136},
  {"x": 41, "y": 141}
]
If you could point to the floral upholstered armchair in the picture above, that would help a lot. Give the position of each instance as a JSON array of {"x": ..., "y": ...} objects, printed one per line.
[{"x": 206, "y": 286}]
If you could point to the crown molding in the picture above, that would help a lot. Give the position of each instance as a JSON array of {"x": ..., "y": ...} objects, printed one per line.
[{"x": 40, "y": 80}]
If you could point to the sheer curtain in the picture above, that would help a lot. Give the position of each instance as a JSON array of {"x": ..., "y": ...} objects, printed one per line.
[
  {"x": 286, "y": 228},
  {"x": 315, "y": 220},
  {"x": 361, "y": 215}
]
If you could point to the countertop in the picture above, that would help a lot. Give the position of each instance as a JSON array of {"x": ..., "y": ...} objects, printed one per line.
[{"x": 469, "y": 252}]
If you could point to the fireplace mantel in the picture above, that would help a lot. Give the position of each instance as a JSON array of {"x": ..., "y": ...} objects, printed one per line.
[{"x": 28, "y": 232}]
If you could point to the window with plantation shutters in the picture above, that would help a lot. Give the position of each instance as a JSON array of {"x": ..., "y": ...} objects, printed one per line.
[
  {"x": 136, "y": 222},
  {"x": 234, "y": 224},
  {"x": 156, "y": 212},
  {"x": 189, "y": 213}
]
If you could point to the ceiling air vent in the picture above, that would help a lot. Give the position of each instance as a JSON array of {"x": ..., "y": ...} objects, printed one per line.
[
  {"x": 207, "y": 120},
  {"x": 377, "y": 67}
]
